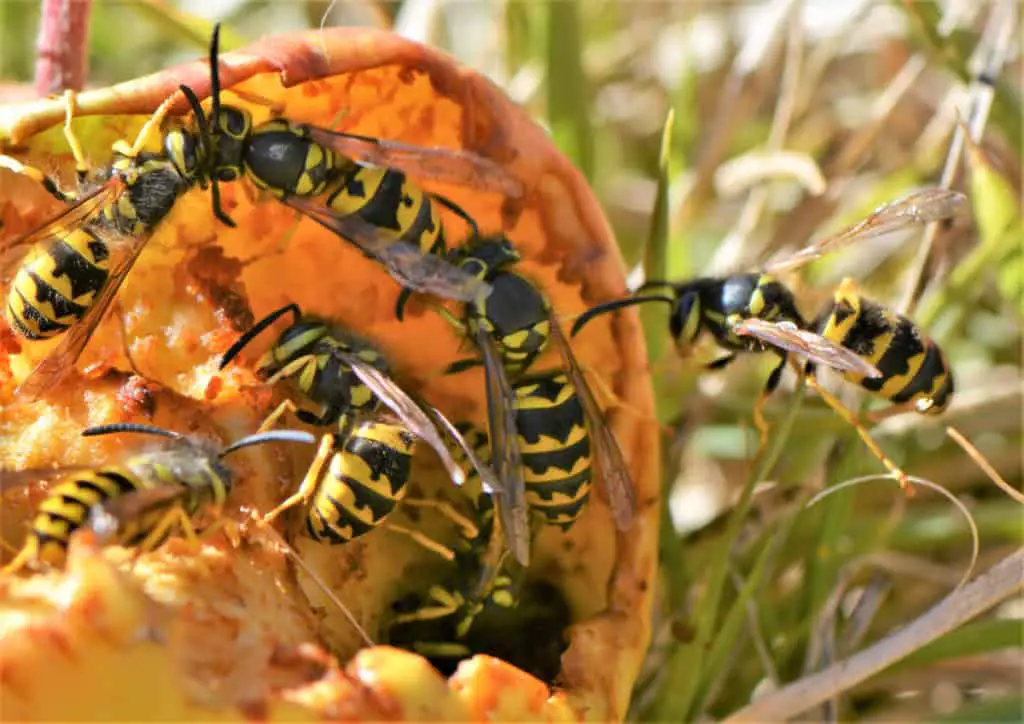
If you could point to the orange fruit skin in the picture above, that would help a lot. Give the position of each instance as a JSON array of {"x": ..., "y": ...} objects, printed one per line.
[{"x": 182, "y": 305}]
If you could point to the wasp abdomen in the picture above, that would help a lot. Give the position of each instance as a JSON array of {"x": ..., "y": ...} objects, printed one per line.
[
  {"x": 55, "y": 286},
  {"x": 365, "y": 482},
  {"x": 66, "y": 509},
  {"x": 555, "y": 447}
]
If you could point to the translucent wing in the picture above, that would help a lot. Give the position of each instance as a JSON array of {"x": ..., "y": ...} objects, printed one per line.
[
  {"x": 443, "y": 165},
  {"x": 71, "y": 218},
  {"x": 808, "y": 345},
  {"x": 921, "y": 207},
  {"x": 618, "y": 483},
  {"x": 406, "y": 408},
  {"x": 109, "y": 518},
  {"x": 410, "y": 267},
  {"x": 488, "y": 479},
  {"x": 62, "y": 359},
  {"x": 14, "y": 479},
  {"x": 506, "y": 457}
]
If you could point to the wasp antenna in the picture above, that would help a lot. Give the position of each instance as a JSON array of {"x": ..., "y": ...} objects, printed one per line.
[
  {"x": 215, "y": 72},
  {"x": 135, "y": 427},
  {"x": 615, "y": 305},
  {"x": 257, "y": 329},
  {"x": 272, "y": 436}
]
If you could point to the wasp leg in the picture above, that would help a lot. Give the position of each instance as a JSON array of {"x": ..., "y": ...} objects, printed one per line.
[
  {"x": 474, "y": 230},
  {"x": 446, "y": 603},
  {"x": 885, "y": 413},
  {"x": 273, "y": 417},
  {"x": 770, "y": 386},
  {"x": 469, "y": 529},
  {"x": 429, "y": 543},
  {"x": 150, "y": 128},
  {"x": 47, "y": 182},
  {"x": 305, "y": 364},
  {"x": 309, "y": 482},
  {"x": 81, "y": 164},
  {"x": 175, "y": 515},
  {"x": 439, "y": 650},
  {"x": 851, "y": 417},
  {"x": 21, "y": 560}
]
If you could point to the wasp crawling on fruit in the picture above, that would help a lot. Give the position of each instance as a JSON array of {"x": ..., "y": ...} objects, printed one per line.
[
  {"x": 869, "y": 345},
  {"x": 139, "y": 502},
  {"x": 483, "y": 604},
  {"x": 65, "y": 274},
  {"x": 511, "y": 328},
  {"x": 376, "y": 426},
  {"x": 327, "y": 176}
]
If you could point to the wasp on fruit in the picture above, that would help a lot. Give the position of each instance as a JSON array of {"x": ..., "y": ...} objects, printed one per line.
[
  {"x": 483, "y": 605},
  {"x": 362, "y": 467},
  {"x": 326, "y": 175},
  {"x": 139, "y": 502},
  {"x": 754, "y": 312},
  {"x": 511, "y": 328},
  {"x": 65, "y": 274}
]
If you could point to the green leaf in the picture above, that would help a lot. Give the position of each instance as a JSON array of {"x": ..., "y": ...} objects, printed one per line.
[{"x": 655, "y": 316}]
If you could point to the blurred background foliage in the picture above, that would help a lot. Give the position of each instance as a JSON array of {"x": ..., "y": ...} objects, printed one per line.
[{"x": 791, "y": 119}]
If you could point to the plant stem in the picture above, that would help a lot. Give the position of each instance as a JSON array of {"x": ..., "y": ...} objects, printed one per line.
[{"x": 62, "y": 62}]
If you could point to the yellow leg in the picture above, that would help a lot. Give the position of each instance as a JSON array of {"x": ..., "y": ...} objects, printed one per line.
[
  {"x": 21, "y": 560},
  {"x": 851, "y": 417},
  {"x": 431, "y": 545},
  {"x": 306, "y": 365},
  {"x": 447, "y": 604},
  {"x": 148, "y": 130},
  {"x": 175, "y": 515},
  {"x": 469, "y": 528},
  {"x": 761, "y": 423},
  {"x": 81, "y": 165},
  {"x": 273, "y": 417},
  {"x": 51, "y": 187},
  {"x": 309, "y": 483}
]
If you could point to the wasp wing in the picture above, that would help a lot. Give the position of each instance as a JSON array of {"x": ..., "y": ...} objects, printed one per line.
[
  {"x": 410, "y": 267},
  {"x": 443, "y": 165},
  {"x": 506, "y": 456},
  {"x": 921, "y": 207},
  {"x": 56, "y": 365},
  {"x": 618, "y": 483},
  {"x": 811, "y": 346},
  {"x": 407, "y": 409},
  {"x": 109, "y": 518},
  {"x": 488, "y": 479},
  {"x": 58, "y": 226}
]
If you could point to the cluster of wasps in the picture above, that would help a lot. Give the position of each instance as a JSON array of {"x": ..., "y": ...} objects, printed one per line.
[
  {"x": 546, "y": 436},
  {"x": 545, "y": 433}
]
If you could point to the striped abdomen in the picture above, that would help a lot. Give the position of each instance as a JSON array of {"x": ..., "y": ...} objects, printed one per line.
[
  {"x": 364, "y": 482},
  {"x": 387, "y": 199},
  {"x": 57, "y": 283},
  {"x": 913, "y": 367},
  {"x": 555, "y": 446},
  {"x": 66, "y": 509}
]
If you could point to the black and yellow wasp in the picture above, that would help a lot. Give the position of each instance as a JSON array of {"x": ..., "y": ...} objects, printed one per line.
[
  {"x": 483, "y": 604},
  {"x": 867, "y": 344},
  {"x": 65, "y": 275},
  {"x": 138, "y": 502},
  {"x": 324, "y": 175},
  {"x": 369, "y": 452},
  {"x": 511, "y": 328}
]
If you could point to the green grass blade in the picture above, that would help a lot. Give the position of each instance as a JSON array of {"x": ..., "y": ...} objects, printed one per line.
[
  {"x": 568, "y": 102},
  {"x": 655, "y": 316}
]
